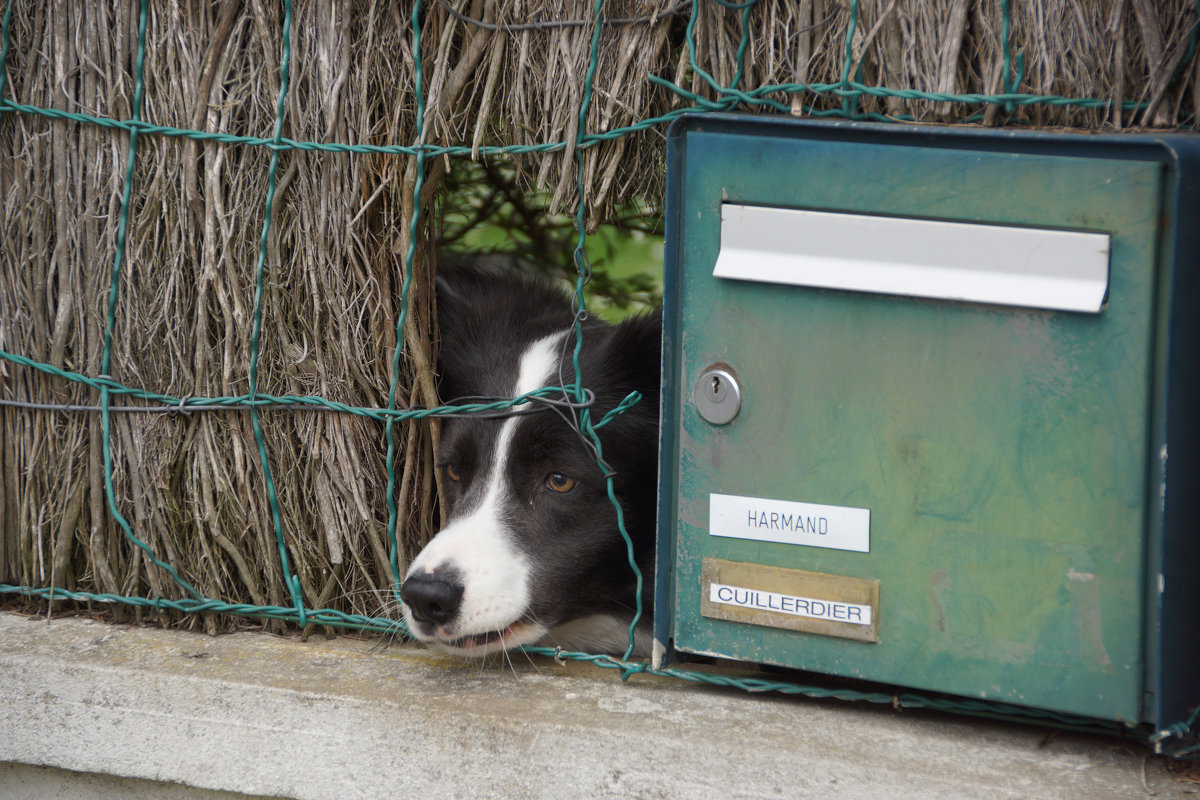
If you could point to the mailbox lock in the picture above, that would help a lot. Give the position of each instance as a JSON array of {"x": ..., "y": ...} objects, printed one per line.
[{"x": 717, "y": 396}]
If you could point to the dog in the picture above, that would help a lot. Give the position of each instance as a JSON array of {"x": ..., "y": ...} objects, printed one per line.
[{"x": 531, "y": 552}]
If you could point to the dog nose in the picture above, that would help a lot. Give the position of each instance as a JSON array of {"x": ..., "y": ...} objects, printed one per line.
[{"x": 432, "y": 598}]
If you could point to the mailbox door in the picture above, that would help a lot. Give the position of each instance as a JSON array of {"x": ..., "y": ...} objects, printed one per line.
[{"x": 1001, "y": 453}]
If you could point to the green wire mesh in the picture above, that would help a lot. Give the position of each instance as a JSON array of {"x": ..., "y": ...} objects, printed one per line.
[{"x": 849, "y": 90}]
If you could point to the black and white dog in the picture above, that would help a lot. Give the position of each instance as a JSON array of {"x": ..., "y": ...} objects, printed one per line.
[{"x": 531, "y": 552}]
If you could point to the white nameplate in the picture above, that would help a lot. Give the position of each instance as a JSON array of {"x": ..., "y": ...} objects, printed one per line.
[
  {"x": 760, "y": 600},
  {"x": 1003, "y": 264},
  {"x": 811, "y": 524}
]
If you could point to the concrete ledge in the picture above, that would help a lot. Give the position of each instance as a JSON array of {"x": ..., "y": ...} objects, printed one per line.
[
  {"x": 47, "y": 783},
  {"x": 267, "y": 716}
]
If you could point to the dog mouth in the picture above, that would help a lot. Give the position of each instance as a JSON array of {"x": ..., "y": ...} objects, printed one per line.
[
  {"x": 478, "y": 644},
  {"x": 477, "y": 639}
]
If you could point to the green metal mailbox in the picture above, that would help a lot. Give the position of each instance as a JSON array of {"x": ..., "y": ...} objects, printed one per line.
[{"x": 930, "y": 410}]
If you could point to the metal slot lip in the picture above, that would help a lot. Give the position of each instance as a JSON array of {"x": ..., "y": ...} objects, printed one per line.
[{"x": 961, "y": 261}]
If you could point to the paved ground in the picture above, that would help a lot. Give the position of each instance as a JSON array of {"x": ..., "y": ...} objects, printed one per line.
[{"x": 266, "y": 716}]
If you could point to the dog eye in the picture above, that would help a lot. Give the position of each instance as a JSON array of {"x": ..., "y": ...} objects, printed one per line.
[
  {"x": 557, "y": 482},
  {"x": 452, "y": 473}
]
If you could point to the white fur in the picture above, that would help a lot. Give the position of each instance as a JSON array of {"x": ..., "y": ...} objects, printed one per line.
[{"x": 495, "y": 573}]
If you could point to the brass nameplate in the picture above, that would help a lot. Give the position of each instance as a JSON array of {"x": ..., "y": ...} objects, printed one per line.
[{"x": 794, "y": 599}]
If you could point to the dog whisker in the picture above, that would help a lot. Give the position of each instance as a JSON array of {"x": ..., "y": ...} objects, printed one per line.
[{"x": 511, "y": 667}]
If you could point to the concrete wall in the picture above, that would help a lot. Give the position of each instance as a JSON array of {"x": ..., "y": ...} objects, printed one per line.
[
  {"x": 95, "y": 710},
  {"x": 46, "y": 783}
]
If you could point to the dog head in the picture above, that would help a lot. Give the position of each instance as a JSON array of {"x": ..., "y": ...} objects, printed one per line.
[{"x": 531, "y": 545}]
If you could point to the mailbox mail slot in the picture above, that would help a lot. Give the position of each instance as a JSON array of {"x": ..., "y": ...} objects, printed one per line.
[
  {"x": 1034, "y": 267},
  {"x": 966, "y": 410}
]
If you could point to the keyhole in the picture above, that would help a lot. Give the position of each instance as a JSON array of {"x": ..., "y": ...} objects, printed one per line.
[{"x": 717, "y": 396}]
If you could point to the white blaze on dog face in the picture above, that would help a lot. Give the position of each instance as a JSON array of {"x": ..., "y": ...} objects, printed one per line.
[{"x": 479, "y": 547}]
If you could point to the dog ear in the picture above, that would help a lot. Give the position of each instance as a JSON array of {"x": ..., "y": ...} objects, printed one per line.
[
  {"x": 453, "y": 311},
  {"x": 634, "y": 352}
]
